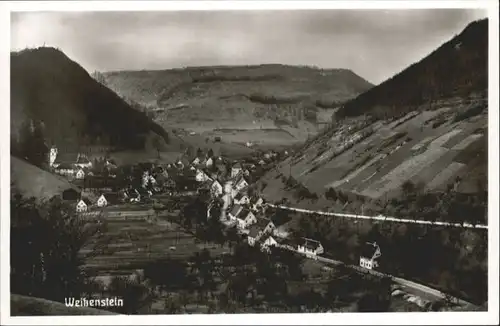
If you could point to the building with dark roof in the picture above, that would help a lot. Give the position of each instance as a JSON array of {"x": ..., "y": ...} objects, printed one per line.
[{"x": 235, "y": 211}]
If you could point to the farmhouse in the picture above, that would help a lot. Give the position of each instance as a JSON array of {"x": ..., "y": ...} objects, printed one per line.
[
  {"x": 268, "y": 243},
  {"x": 266, "y": 225},
  {"x": 241, "y": 184},
  {"x": 82, "y": 205},
  {"x": 310, "y": 247},
  {"x": 236, "y": 170},
  {"x": 257, "y": 203},
  {"x": 368, "y": 256},
  {"x": 109, "y": 198},
  {"x": 102, "y": 201},
  {"x": 245, "y": 218},
  {"x": 216, "y": 188},
  {"x": 80, "y": 174},
  {"x": 262, "y": 227},
  {"x": 241, "y": 199}
]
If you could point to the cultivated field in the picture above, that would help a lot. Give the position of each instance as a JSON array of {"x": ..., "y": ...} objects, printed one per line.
[
  {"x": 135, "y": 237},
  {"x": 410, "y": 148}
]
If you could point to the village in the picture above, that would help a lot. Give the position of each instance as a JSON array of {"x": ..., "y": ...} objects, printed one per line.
[{"x": 226, "y": 185}]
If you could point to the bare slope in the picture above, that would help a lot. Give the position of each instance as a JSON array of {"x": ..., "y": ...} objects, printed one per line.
[
  {"x": 439, "y": 148},
  {"x": 240, "y": 97},
  {"x": 32, "y": 181},
  {"x": 48, "y": 87}
]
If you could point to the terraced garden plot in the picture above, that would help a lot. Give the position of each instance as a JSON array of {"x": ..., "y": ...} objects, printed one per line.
[
  {"x": 388, "y": 164},
  {"x": 351, "y": 176},
  {"x": 468, "y": 128},
  {"x": 315, "y": 181},
  {"x": 466, "y": 142},
  {"x": 405, "y": 118},
  {"x": 446, "y": 176},
  {"x": 440, "y": 141},
  {"x": 421, "y": 143},
  {"x": 429, "y": 173},
  {"x": 404, "y": 171}
]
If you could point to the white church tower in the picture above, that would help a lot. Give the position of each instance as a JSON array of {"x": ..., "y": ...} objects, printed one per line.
[{"x": 52, "y": 156}]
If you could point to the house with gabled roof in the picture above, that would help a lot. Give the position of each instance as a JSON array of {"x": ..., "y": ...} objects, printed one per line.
[
  {"x": 254, "y": 235},
  {"x": 268, "y": 242},
  {"x": 240, "y": 184},
  {"x": 216, "y": 188},
  {"x": 241, "y": 199},
  {"x": 245, "y": 218},
  {"x": 83, "y": 205},
  {"x": 80, "y": 174},
  {"x": 236, "y": 169},
  {"x": 235, "y": 212},
  {"x": 262, "y": 227},
  {"x": 256, "y": 203},
  {"x": 310, "y": 247},
  {"x": 110, "y": 198},
  {"x": 102, "y": 201},
  {"x": 369, "y": 254},
  {"x": 266, "y": 225}
]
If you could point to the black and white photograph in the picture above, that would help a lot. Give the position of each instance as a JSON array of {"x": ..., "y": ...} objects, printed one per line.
[{"x": 240, "y": 160}]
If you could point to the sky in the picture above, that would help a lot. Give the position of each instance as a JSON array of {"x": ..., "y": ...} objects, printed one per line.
[{"x": 375, "y": 44}]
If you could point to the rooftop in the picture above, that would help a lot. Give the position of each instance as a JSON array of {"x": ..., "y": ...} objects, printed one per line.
[
  {"x": 236, "y": 210},
  {"x": 254, "y": 230}
]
